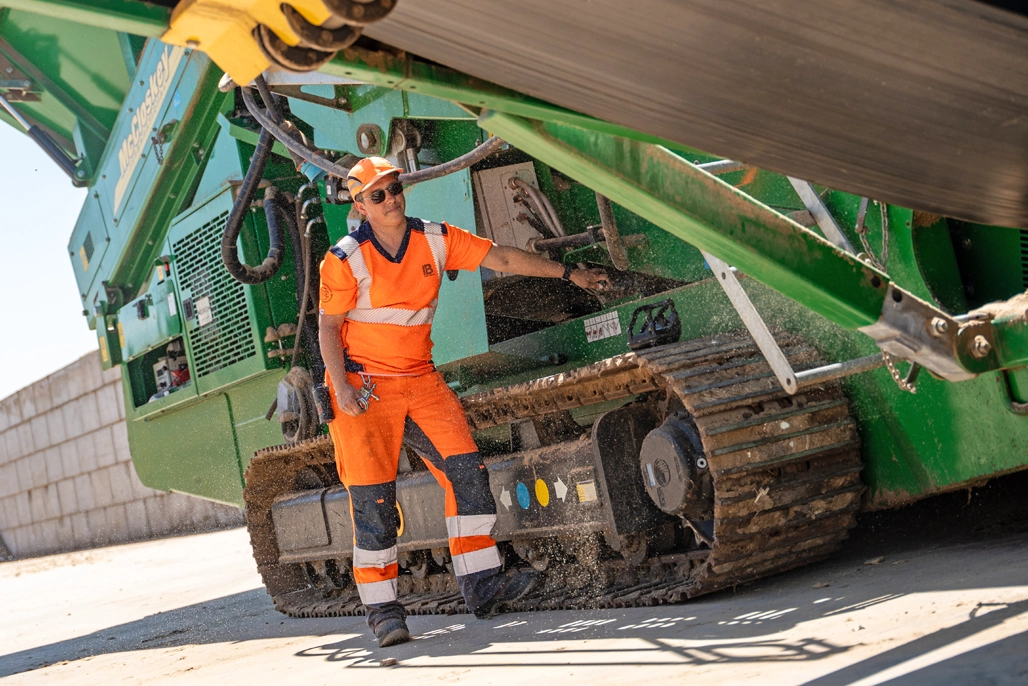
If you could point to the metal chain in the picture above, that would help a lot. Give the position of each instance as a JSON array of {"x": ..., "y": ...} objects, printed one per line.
[
  {"x": 900, "y": 381},
  {"x": 861, "y": 229}
]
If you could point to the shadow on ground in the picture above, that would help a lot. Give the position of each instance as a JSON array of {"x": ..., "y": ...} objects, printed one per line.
[{"x": 727, "y": 627}]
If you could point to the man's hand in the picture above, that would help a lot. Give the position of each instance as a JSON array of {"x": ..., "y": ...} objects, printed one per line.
[
  {"x": 514, "y": 261},
  {"x": 346, "y": 398},
  {"x": 593, "y": 279}
]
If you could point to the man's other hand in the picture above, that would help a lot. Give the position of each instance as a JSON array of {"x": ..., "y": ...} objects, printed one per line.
[
  {"x": 593, "y": 279},
  {"x": 346, "y": 398}
]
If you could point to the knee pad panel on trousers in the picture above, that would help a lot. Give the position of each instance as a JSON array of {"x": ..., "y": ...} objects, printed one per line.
[
  {"x": 470, "y": 481},
  {"x": 375, "y": 518}
]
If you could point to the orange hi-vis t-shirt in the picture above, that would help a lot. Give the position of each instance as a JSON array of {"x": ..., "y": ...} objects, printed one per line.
[{"x": 389, "y": 301}]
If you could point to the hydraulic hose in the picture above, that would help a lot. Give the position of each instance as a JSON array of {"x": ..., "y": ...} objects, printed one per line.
[
  {"x": 291, "y": 144},
  {"x": 547, "y": 213},
  {"x": 271, "y": 107},
  {"x": 307, "y": 324},
  {"x": 296, "y": 147},
  {"x": 229, "y": 248},
  {"x": 615, "y": 245},
  {"x": 269, "y": 101},
  {"x": 483, "y": 151}
]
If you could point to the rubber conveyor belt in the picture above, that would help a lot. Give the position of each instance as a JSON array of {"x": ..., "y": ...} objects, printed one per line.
[{"x": 920, "y": 104}]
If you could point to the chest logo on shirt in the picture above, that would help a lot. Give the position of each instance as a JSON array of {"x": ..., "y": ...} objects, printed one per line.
[{"x": 428, "y": 270}]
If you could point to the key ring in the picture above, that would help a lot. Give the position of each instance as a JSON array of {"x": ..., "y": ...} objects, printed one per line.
[{"x": 366, "y": 393}]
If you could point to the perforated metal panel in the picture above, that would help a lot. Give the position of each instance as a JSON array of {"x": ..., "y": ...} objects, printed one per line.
[{"x": 225, "y": 338}]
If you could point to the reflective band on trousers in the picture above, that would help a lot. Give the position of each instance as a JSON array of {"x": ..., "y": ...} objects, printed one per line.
[
  {"x": 363, "y": 311},
  {"x": 374, "y": 558},
  {"x": 477, "y": 561},
  {"x": 378, "y": 592},
  {"x": 469, "y": 525}
]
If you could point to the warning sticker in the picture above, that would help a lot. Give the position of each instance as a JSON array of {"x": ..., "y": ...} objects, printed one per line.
[
  {"x": 172, "y": 310},
  {"x": 586, "y": 491},
  {"x": 203, "y": 311},
  {"x": 603, "y": 326}
]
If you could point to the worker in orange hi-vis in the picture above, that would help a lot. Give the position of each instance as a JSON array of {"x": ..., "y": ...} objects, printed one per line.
[{"x": 379, "y": 287}]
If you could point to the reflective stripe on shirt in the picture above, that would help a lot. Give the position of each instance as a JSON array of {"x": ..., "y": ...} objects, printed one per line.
[{"x": 363, "y": 311}]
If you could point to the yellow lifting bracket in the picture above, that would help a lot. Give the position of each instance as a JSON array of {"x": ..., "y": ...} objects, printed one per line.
[{"x": 246, "y": 37}]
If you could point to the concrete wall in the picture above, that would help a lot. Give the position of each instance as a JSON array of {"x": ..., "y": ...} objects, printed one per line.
[{"x": 66, "y": 479}]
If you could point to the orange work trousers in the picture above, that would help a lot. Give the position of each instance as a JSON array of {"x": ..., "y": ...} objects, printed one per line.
[{"x": 424, "y": 413}]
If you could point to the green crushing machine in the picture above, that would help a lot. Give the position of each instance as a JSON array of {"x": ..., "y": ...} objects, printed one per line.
[{"x": 823, "y": 314}]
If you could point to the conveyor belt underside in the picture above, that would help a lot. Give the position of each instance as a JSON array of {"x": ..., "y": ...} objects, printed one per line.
[{"x": 921, "y": 104}]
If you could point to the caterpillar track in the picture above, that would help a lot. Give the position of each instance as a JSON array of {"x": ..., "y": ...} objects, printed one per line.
[{"x": 785, "y": 470}]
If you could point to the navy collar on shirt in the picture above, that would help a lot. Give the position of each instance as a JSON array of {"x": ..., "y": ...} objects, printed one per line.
[{"x": 365, "y": 230}]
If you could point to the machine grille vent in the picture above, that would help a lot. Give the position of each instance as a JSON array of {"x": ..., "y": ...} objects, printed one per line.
[
  {"x": 224, "y": 337},
  {"x": 1024, "y": 258},
  {"x": 87, "y": 246}
]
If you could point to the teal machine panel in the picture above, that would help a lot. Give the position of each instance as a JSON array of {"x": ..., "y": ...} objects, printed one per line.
[
  {"x": 458, "y": 330},
  {"x": 148, "y": 172}
]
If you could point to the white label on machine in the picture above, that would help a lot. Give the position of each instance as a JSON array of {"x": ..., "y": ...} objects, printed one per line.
[
  {"x": 586, "y": 491},
  {"x": 203, "y": 311},
  {"x": 603, "y": 326},
  {"x": 172, "y": 311}
]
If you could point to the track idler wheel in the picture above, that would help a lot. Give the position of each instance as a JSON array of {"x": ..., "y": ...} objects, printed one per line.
[
  {"x": 675, "y": 470},
  {"x": 297, "y": 59}
]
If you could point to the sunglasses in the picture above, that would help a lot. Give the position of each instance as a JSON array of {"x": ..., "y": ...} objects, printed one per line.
[{"x": 378, "y": 197}]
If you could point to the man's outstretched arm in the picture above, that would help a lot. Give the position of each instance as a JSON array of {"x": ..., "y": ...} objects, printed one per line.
[{"x": 501, "y": 258}]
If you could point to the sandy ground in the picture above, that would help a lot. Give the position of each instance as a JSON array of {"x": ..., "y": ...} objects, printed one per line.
[{"x": 946, "y": 604}]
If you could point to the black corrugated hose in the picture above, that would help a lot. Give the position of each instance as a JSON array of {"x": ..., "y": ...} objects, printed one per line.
[{"x": 229, "y": 249}]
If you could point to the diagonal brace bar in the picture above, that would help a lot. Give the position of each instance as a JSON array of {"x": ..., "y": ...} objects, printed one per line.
[
  {"x": 754, "y": 323},
  {"x": 821, "y": 215}
]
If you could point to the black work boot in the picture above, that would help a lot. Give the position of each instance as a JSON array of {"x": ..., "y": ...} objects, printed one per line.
[
  {"x": 390, "y": 632},
  {"x": 512, "y": 589}
]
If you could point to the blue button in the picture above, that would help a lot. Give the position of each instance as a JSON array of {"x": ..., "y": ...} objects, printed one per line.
[{"x": 523, "y": 498}]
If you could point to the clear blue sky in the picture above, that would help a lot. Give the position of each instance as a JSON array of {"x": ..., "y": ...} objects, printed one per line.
[{"x": 43, "y": 326}]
